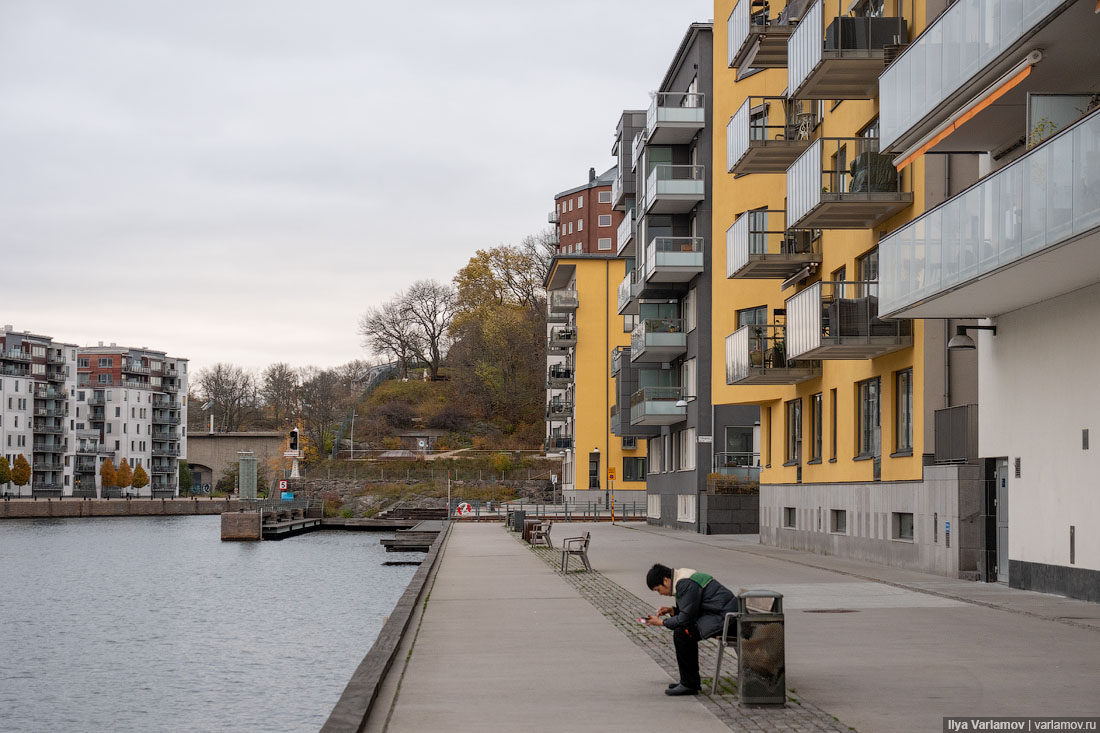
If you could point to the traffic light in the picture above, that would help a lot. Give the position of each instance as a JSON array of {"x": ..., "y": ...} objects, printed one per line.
[{"x": 293, "y": 436}]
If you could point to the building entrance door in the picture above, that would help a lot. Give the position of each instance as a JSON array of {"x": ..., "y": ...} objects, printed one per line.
[{"x": 1002, "y": 520}]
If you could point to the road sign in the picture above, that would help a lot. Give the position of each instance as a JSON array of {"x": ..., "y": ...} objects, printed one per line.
[
  {"x": 283, "y": 484},
  {"x": 611, "y": 474}
]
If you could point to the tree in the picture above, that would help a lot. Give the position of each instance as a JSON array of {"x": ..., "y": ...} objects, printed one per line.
[
  {"x": 280, "y": 392},
  {"x": 185, "y": 479},
  {"x": 431, "y": 306},
  {"x": 540, "y": 250},
  {"x": 388, "y": 330},
  {"x": 325, "y": 401},
  {"x": 5, "y": 470},
  {"x": 232, "y": 392},
  {"x": 141, "y": 479},
  {"x": 124, "y": 476},
  {"x": 107, "y": 474},
  {"x": 21, "y": 471}
]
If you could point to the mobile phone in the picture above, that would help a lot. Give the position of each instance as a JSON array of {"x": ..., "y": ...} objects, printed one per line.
[{"x": 641, "y": 620}]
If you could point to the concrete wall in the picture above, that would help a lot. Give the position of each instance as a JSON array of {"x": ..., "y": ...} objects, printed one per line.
[
  {"x": 946, "y": 494},
  {"x": 23, "y": 509},
  {"x": 1037, "y": 394},
  {"x": 218, "y": 451},
  {"x": 729, "y": 513}
]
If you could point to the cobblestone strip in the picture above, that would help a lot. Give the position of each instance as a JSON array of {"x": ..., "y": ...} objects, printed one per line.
[{"x": 623, "y": 608}]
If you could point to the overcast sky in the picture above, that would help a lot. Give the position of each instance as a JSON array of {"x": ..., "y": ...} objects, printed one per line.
[{"x": 238, "y": 180}]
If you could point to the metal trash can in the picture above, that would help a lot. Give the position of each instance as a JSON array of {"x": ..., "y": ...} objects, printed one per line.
[
  {"x": 761, "y": 666},
  {"x": 519, "y": 516}
]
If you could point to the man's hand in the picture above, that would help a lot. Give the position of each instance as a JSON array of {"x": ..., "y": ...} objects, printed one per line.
[
  {"x": 664, "y": 611},
  {"x": 654, "y": 620}
]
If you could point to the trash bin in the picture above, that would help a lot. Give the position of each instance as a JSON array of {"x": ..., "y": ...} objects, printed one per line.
[
  {"x": 761, "y": 668},
  {"x": 518, "y": 518}
]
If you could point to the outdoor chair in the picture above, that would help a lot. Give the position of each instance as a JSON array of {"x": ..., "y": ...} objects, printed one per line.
[
  {"x": 575, "y": 546},
  {"x": 541, "y": 533},
  {"x": 726, "y": 639}
]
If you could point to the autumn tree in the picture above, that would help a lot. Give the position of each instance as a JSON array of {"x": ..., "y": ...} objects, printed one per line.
[
  {"x": 279, "y": 389},
  {"x": 107, "y": 474},
  {"x": 21, "y": 471},
  {"x": 5, "y": 470},
  {"x": 125, "y": 475},
  {"x": 233, "y": 394},
  {"x": 185, "y": 479},
  {"x": 141, "y": 478}
]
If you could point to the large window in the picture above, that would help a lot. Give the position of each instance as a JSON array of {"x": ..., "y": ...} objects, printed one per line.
[
  {"x": 815, "y": 427},
  {"x": 794, "y": 431},
  {"x": 869, "y": 426},
  {"x": 903, "y": 407},
  {"x": 685, "y": 508},
  {"x": 653, "y": 448},
  {"x": 689, "y": 312},
  {"x": 653, "y": 506},
  {"x": 633, "y": 469},
  {"x": 687, "y": 449},
  {"x": 687, "y": 377},
  {"x": 867, "y": 271}
]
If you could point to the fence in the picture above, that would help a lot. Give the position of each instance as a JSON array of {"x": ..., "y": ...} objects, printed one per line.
[{"x": 590, "y": 511}]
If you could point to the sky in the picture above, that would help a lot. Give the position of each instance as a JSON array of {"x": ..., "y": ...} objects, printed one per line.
[{"x": 239, "y": 181}]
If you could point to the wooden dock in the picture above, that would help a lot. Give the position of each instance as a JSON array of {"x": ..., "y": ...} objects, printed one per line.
[{"x": 417, "y": 539}]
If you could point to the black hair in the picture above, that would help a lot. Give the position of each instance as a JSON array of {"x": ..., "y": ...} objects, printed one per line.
[{"x": 657, "y": 575}]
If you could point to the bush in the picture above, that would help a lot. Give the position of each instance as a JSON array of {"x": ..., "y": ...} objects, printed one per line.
[{"x": 346, "y": 512}]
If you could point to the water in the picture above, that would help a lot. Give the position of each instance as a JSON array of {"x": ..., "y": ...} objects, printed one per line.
[{"x": 154, "y": 624}]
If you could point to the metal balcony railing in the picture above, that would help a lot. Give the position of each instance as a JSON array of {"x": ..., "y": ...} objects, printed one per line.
[
  {"x": 173, "y": 387},
  {"x": 48, "y": 394},
  {"x": 759, "y": 245},
  {"x": 554, "y": 217},
  {"x": 628, "y": 291},
  {"x": 47, "y": 466},
  {"x": 49, "y": 412},
  {"x": 563, "y": 337},
  {"x": 842, "y": 61},
  {"x": 55, "y": 357},
  {"x": 657, "y": 339},
  {"x": 55, "y": 375},
  {"x": 165, "y": 420},
  {"x": 559, "y": 409},
  {"x": 134, "y": 367},
  {"x": 170, "y": 372},
  {"x": 165, "y": 435},
  {"x": 767, "y": 134},
  {"x": 955, "y": 50},
  {"x": 559, "y": 442},
  {"x": 14, "y": 370},
  {"x": 49, "y": 447},
  {"x": 674, "y": 118},
  {"x": 559, "y": 376},
  {"x": 672, "y": 189},
  {"x": 563, "y": 301},
  {"x": 755, "y": 41},
  {"x": 636, "y": 149},
  {"x": 15, "y": 355},
  {"x": 673, "y": 259},
  {"x": 741, "y": 465},
  {"x": 657, "y": 406},
  {"x": 161, "y": 451},
  {"x": 824, "y": 191},
  {"x": 839, "y": 320},
  {"x": 618, "y": 354},
  {"x": 166, "y": 405},
  {"x": 948, "y": 262},
  {"x": 758, "y": 355},
  {"x": 625, "y": 235},
  {"x": 48, "y": 429}
]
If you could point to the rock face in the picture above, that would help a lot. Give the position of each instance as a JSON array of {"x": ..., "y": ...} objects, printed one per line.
[{"x": 357, "y": 496}]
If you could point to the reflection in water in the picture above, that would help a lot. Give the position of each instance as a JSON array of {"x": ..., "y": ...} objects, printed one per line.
[{"x": 150, "y": 624}]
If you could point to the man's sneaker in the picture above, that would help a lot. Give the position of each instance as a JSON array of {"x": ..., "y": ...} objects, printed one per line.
[{"x": 679, "y": 689}]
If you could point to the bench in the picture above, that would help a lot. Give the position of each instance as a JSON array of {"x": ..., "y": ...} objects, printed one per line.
[
  {"x": 541, "y": 533},
  {"x": 575, "y": 546}
]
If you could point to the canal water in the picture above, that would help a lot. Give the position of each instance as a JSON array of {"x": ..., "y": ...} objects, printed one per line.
[{"x": 154, "y": 624}]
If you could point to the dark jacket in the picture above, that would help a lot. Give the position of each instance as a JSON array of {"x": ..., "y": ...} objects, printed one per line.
[{"x": 705, "y": 606}]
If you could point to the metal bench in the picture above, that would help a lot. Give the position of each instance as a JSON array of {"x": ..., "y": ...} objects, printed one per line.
[
  {"x": 575, "y": 546},
  {"x": 541, "y": 533}
]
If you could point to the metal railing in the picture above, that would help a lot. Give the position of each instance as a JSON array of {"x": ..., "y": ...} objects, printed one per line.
[
  {"x": 639, "y": 337},
  {"x": 49, "y": 394},
  {"x": 676, "y": 252},
  {"x": 553, "y": 218},
  {"x": 173, "y": 452},
  {"x": 831, "y": 313},
  {"x": 14, "y": 370},
  {"x": 559, "y": 442},
  {"x": 128, "y": 366},
  {"x": 667, "y": 179},
  {"x": 768, "y": 120},
  {"x": 821, "y": 174},
  {"x": 557, "y": 372},
  {"x": 675, "y": 108},
  {"x": 54, "y": 357},
  {"x": 563, "y": 300},
  {"x": 48, "y": 429},
  {"x": 656, "y": 394},
  {"x": 15, "y": 355},
  {"x": 157, "y": 420},
  {"x": 165, "y": 405},
  {"x": 565, "y": 335},
  {"x": 764, "y": 232}
]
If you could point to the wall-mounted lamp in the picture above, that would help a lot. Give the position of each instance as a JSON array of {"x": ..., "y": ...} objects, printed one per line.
[
  {"x": 683, "y": 401},
  {"x": 961, "y": 342}
]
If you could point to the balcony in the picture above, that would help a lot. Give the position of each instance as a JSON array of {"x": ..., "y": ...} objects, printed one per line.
[
  {"x": 559, "y": 442},
  {"x": 134, "y": 367},
  {"x": 842, "y": 61},
  {"x": 554, "y": 237},
  {"x": 49, "y": 412},
  {"x": 161, "y": 451},
  {"x": 759, "y": 246},
  {"x": 165, "y": 420},
  {"x": 758, "y": 355},
  {"x": 47, "y": 466},
  {"x": 617, "y": 190},
  {"x": 636, "y": 149},
  {"x": 55, "y": 375},
  {"x": 15, "y": 355},
  {"x": 170, "y": 372},
  {"x": 48, "y": 429},
  {"x": 755, "y": 41},
  {"x": 15, "y": 370},
  {"x": 559, "y": 376},
  {"x": 562, "y": 338},
  {"x": 97, "y": 415},
  {"x": 741, "y": 466},
  {"x": 41, "y": 393},
  {"x": 55, "y": 447},
  {"x": 554, "y": 217},
  {"x": 617, "y": 355},
  {"x": 165, "y": 435},
  {"x": 46, "y": 488},
  {"x": 94, "y": 449},
  {"x": 98, "y": 401},
  {"x": 975, "y": 48},
  {"x": 825, "y": 193},
  {"x": 629, "y": 289},
  {"x": 767, "y": 134},
  {"x": 166, "y": 387},
  {"x": 674, "y": 118},
  {"x": 627, "y": 229},
  {"x": 557, "y": 410},
  {"x": 55, "y": 357},
  {"x": 674, "y": 189},
  {"x": 672, "y": 260},
  {"x": 563, "y": 301},
  {"x": 137, "y": 384},
  {"x": 85, "y": 466},
  {"x": 657, "y": 340},
  {"x": 162, "y": 468},
  {"x": 164, "y": 405},
  {"x": 657, "y": 406},
  {"x": 839, "y": 320},
  {"x": 1024, "y": 234}
]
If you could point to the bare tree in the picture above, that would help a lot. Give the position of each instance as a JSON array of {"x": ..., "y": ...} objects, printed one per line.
[
  {"x": 431, "y": 305},
  {"x": 280, "y": 392},
  {"x": 233, "y": 393},
  {"x": 324, "y": 402},
  {"x": 540, "y": 249},
  {"x": 389, "y": 329}
]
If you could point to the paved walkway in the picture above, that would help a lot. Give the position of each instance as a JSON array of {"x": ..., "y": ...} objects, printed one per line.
[{"x": 506, "y": 641}]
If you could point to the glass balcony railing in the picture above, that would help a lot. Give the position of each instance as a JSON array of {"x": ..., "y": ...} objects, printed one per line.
[
  {"x": 563, "y": 337},
  {"x": 673, "y": 259},
  {"x": 956, "y": 49},
  {"x": 613, "y": 420},
  {"x": 657, "y": 340},
  {"x": 841, "y": 61},
  {"x": 767, "y": 134},
  {"x": 758, "y": 355},
  {"x": 629, "y": 289},
  {"x": 625, "y": 235},
  {"x": 824, "y": 191},
  {"x": 657, "y": 406},
  {"x": 553, "y": 217},
  {"x": 759, "y": 245},
  {"x": 15, "y": 355},
  {"x": 636, "y": 148},
  {"x": 674, "y": 118},
  {"x": 1048, "y": 198},
  {"x": 559, "y": 376},
  {"x": 840, "y": 320},
  {"x": 618, "y": 354},
  {"x": 755, "y": 41},
  {"x": 743, "y": 467},
  {"x": 563, "y": 301},
  {"x": 674, "y": 189},
  {"x": 559, "y": 410},
  {"x": 559, "y": 442}
]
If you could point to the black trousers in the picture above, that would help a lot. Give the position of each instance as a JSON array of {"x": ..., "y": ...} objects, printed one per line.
[{"x": 686, "y": 641}]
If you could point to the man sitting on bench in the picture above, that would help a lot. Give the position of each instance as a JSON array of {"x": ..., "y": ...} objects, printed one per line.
[{"x": 701, "y": 607}]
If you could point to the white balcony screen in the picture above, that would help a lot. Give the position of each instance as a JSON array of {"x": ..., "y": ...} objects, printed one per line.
[
  {"x": 804, "y": 47},
  {"x": 804, "y": 183},
  {"x": 804, "y": 321}
]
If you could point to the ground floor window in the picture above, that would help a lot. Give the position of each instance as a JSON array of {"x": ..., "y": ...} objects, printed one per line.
[
  {"x": 634, "y": 469},
  {"x": 903, "y": 526},
  {"x": 653, "y": 506},
  {"x": 685, "y": 507},
  {"x": 593, "y": 470},
  {"x": 790, "y": 514},
  {"x": 838, "y": 521}
]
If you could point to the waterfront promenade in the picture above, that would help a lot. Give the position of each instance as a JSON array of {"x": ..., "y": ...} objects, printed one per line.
[{"x": 505, "y": 641}]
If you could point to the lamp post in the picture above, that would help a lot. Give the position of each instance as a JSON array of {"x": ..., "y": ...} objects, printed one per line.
[{"x": 606, "y": 502}]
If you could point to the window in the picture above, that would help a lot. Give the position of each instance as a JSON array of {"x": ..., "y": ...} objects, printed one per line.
[
  {"x": 768, "y": 436},
  {"x": 794, "y": 432},
  {"x": 869, "y": 428},
  {"x": 605, "y": 197},
  {"x": 580, "y": 225},
  {"x": 688, "y": 307},
  {"x": 570, "y": 204},
  {"x": 633, "y": 469},
  {"x": 83, "y": 362},
  {"x": 902, "y": 526},
  {"x": 832, "y": 418},
  {"x": 757, "y": 316},
  {"x": 653, "y": 447},
  {"x": 685, "y": 508},
  {"x": 570, "y": 228},
  {"x": 603, "y": 243},
  {"x": 687, "y": 449},
  {"x": 867, "y": 271},
  {"x": 580, "y": 202},
  {"x": 38, "y": 368},
  {"x": 104, "y": 378},
  {"x": 594, "y": 470},
  {"x": 903, "y": 407},
  {"x": 629, "y": 322},
  {"x": 630, "y": 442},
  {"x": 118, "y": 412},
  {"x": 653, "y": 506},
  {"x": 79, "y": 396},
  {"x": 688, "y": 377},
  {"x": 790, "y": 514},
  {"x": 815, "y": 428},
  {"x": 604, "y": 220},
  {"x": 838, "y": 521},
  {"x": 105, "y": 361},
  {"x": 38, "y": 350}
]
